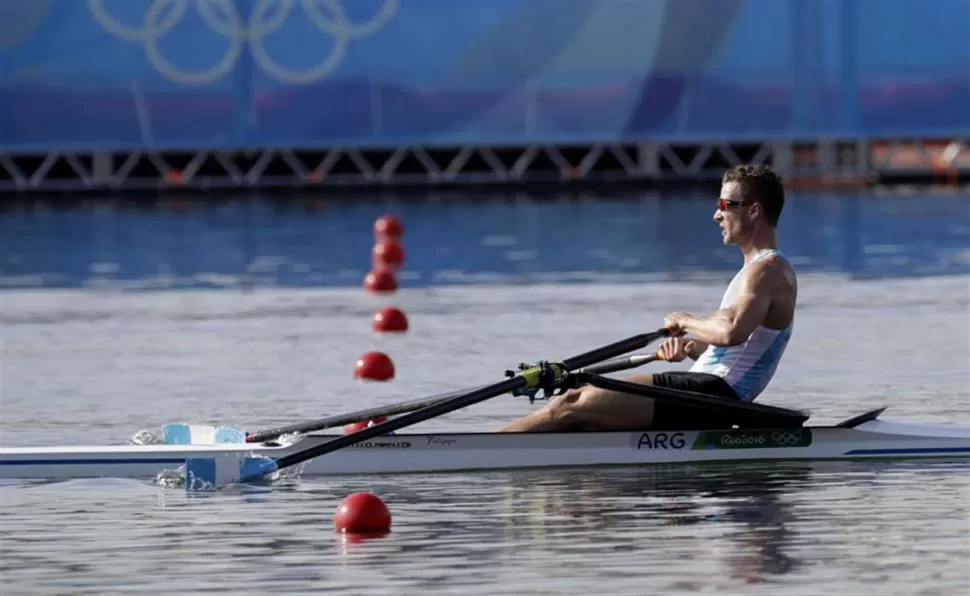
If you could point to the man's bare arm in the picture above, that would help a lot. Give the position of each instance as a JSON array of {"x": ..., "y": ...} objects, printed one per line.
[{"x": 733, "y": 324}]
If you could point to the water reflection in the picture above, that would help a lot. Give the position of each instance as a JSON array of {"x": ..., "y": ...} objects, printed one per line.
[
  {"x": 740, "y": 509},
  {"x": 687, "y": 528},
  {"x": 738, "y": 513},
  {"x": 750, "y": 523},
  {"x": 184, "y": 241}
]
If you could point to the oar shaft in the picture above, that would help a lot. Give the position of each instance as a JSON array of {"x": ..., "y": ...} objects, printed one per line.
[
  {"x": 358, "y": 416},
  {"x": 432, "y": 411},
  {"x": 621, "y": 364},
  {"x": 473, "y": 397},
  {"x": 614, "y": 349},
  {"x": 410, "y": 406}
]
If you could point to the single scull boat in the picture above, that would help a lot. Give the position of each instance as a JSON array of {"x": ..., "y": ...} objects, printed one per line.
[
  {"x": 863, "y": 437},
  {"x": 742, "y": 431}
]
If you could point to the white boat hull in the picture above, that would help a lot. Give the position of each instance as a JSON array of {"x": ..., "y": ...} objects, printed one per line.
[{"x": 442, "y": 452}]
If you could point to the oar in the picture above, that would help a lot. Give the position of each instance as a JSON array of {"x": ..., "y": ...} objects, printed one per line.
[
  {"x": 410, "y": 406},
  {"x": 209, "y": 472},
  {"x": 185, "y": 434},
  {"x": 622, "y": 363}
]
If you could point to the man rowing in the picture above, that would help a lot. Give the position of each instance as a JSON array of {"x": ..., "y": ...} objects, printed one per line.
[{"x": 736, "y": 349}]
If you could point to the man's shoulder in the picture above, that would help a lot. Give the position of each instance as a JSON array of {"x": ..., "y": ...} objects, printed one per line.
[
  {"x": 772, "y": 275},
  {"x": 779, "y": 264},
  {"x": 771, "y": 268}
]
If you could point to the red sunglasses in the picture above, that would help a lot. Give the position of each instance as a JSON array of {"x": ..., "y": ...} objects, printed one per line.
[{"x": 724, "y": 204}]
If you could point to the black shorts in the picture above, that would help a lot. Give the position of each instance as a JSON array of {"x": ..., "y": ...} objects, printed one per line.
[
  {"x": 670, "y": 415},
  {"x": 695, "y": 382}
]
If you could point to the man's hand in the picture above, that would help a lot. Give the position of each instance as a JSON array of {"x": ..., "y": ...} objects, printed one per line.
[
  {"x": 675, "y": 349},
  {"x": 676, "y": 322}
]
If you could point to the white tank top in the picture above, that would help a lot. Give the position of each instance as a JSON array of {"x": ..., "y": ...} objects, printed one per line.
[{"x": 749, "y": 366}]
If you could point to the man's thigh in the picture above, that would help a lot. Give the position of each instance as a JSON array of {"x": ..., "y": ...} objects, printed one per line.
[
  {"x": 600, "y": 409},
  {"x": 703, "y": 383}
]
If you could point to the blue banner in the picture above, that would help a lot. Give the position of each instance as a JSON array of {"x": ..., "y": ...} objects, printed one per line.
[{"x": 236, "y": 74}]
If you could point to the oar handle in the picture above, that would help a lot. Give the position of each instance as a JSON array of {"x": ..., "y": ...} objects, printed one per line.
[
  {"x": 609, "y": 351},
  {"x": 622, "y": 363}
]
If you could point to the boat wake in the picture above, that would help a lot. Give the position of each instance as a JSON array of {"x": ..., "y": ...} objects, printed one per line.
[
  {"x": 146, "y": 437},
  {"x": 175, "y": 478}
]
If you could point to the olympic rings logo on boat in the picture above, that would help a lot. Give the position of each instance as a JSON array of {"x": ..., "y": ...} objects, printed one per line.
[
  {"x": 786, "y": 438},
  {"x": 224, "y": 19}
]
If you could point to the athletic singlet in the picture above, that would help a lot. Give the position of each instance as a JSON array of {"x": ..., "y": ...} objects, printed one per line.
[{"x": 749, "y": 366}]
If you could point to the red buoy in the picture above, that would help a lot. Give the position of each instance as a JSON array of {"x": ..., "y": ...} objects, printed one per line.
[
  {"x": 387, "y": 253},
  {"x": 380, "y": 280},
  {"x": 362, "y": 512},
  {"x": 390, "y": 320},
  {"x": 356, "y": 426},
  {"x": 374, "y": 366},
  {"x": 387, "y": 226}
]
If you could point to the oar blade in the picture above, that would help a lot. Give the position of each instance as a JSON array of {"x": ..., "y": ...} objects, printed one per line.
[
  {"x": 207, "y": 473},
  {"x": 181, "y": 433}
]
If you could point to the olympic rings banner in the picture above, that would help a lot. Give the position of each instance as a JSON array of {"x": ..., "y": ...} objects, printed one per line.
[{"x": 241, "y": 74}]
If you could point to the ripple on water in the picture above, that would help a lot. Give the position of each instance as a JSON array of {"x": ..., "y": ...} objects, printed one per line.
[
  {"x": 748, "y": 528},
  {"x": 886, "y": 528}
]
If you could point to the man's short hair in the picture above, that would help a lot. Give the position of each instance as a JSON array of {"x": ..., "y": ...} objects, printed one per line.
[{"x": 760, "y": 184}]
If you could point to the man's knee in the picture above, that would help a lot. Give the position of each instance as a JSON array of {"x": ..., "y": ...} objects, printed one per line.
[
  {"x": 591, "y": 408},
  {"x": 572, "y": 403},
  {"x": 565, "y": 401}
]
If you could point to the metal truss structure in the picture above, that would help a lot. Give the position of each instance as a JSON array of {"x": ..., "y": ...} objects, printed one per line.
[{"x": 806, "y": 163}]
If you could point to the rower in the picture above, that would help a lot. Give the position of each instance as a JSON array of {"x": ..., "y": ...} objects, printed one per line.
[{"x": 736, "y": 349}]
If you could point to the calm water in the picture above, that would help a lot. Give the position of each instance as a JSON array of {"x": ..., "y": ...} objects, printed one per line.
[{"x": 263, "y": 319}]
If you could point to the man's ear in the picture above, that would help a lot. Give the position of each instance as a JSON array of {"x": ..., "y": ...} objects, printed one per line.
[{"x": 756, "y": 209}]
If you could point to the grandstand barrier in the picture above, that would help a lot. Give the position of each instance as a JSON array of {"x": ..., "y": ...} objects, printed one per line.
[{"x": 152, "y": 94}]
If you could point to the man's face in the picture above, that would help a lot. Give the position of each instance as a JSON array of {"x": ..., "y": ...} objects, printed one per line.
[{"x": 733, "y": 215}]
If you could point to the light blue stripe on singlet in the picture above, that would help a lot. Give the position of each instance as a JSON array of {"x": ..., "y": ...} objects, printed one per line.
[
  {"x": 755, "y": 380},
  {"x": 717, "y": 352}
]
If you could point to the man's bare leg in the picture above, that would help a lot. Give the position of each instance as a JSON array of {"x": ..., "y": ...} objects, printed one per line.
[{"x": 590, "y": 408}]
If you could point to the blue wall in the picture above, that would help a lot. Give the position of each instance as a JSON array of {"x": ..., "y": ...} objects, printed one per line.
[{"x": 169, "y": 74}]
